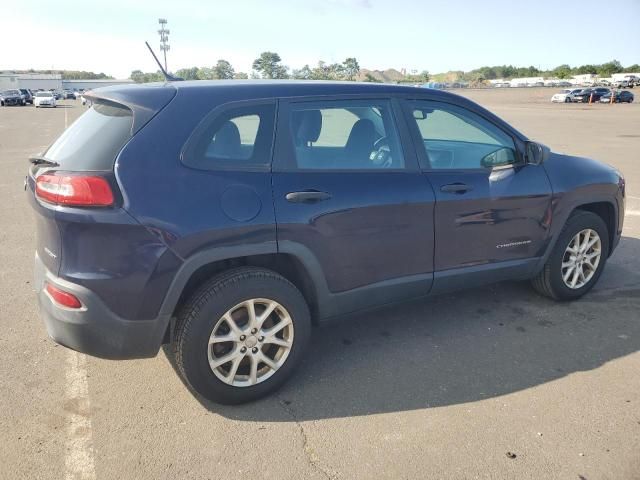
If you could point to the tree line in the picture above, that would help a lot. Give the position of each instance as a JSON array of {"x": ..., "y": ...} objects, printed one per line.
[
  {"x": 269, "y": 66},
  {"x": 70, "y": 74},
  {"x": 509, "y": 71}
]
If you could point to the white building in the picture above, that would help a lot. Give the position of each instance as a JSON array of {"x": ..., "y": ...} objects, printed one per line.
[
  {"x": 586, "y": 79},
  {"x": 54, "y": 81},
  {"x": 618, "y": 77},
  {"x": 32, "y": 81},
  {"x": 526, "y": 81}
]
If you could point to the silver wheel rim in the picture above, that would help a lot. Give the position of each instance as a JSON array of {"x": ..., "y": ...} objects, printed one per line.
[
  {"x": 250, "y": 342},
  {"x": 581, "y": 258}
]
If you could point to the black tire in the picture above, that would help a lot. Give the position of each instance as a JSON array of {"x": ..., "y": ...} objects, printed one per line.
[
  {"x": 549, "y": 281},
  {"x": 567, "y": 100},
  {"x": 197, "y": 318}
]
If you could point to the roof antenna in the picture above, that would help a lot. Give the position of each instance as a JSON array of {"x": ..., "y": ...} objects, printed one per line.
[{"x": 167, "y": 76}]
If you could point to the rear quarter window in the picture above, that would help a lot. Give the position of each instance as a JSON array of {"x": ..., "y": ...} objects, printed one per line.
[
  {"x": 232, "y": 137},
  {"x": 94, "y": 140}
]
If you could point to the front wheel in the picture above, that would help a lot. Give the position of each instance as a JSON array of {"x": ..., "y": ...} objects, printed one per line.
[
  {"x": 241, "y": 335},
  {"x": 577, "y": 260}
]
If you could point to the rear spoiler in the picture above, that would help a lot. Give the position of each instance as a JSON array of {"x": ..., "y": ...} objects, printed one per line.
[{"x": 145, "y": 101}]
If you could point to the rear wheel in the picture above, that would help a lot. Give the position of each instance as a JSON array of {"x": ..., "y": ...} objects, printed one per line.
[
  {"x": 567, "y": 100},
  {"x": 241, "y": 335},
  {"x": 577, "y": 260}
]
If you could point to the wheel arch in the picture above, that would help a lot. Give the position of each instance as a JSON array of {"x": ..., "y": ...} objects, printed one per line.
[
  {"x": 604, "y": 206},
  {"x": 606, "y": 210},
  {"x": 206, "y": 265}
]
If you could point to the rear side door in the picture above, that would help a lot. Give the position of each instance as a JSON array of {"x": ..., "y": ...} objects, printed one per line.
[
  {"x": 492, "y": 214},
  {"x": 351, "y": 203}
]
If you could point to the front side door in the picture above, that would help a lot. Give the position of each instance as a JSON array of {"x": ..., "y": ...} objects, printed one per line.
[
  {"x": 492, "y": 209},
  {"x": 351, "y": 203}
]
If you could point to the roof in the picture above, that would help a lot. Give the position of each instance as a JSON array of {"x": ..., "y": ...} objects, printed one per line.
[
  {"x": 295, "y": 87},
  {"x": 249, "y": 89}
]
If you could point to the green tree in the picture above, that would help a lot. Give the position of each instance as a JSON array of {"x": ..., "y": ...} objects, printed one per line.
[
  {"x": 268, "y": 66},
  {"x": 140, "y": 77},
  {"x": 370, "y": 78},
  {"x": 223, "y": 70},
  {"x": 583, "y": 69},
  {"x": 562, "y": 71},
  {"x": 609, "y": 68},
  {"x": 351, "y": 68},
  {"x": 188, "y": 73},
  {"x": 240, "y": 76},
  {"x": 304, "y": 73},
  {"x": 206, "y": 73}
]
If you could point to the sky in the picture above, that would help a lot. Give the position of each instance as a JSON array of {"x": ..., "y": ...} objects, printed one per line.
[{"x": 108, "y": 36}]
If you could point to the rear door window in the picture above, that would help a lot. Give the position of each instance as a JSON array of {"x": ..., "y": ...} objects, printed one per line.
[
  {"x": 344, "y": 135},
  {"x": 94, "y": 140}
]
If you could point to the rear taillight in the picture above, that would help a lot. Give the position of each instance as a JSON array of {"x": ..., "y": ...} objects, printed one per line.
[
  {"x": 74, "y": 190},
  {"x": 63, "y": 298}
]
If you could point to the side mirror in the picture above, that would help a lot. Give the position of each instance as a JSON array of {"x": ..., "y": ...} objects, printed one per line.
[
  {"x": 499, "y": 158},
  {"x": 536, "y": 153}
]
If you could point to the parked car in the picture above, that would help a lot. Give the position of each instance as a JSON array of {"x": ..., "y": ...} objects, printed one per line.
[
  {"x": 227, "y": 237},
  {"x": 632, "y": 80},
  {"x": 11, "y": 97},
  {"x": 590, "y": 93},
  {"x": 27, "y": 96},
  {"x": 56, "y": 94},
  {"x": 84, "y": 99},
  {"x": 566, "y": 95},
  {"x": 68, "y": 95},
  {"x": 622, "y": 96},
  {"x": 45, "y": 99}
]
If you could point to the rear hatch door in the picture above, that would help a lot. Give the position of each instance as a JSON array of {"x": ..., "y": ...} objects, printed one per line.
[{"x": 90, "y": 145}]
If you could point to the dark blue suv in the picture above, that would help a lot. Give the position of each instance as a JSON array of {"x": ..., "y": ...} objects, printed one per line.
[{"x": 226, "y": 217}]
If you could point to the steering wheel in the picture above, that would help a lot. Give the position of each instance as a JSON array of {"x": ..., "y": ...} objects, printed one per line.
[{"x": 381, "y": 154}]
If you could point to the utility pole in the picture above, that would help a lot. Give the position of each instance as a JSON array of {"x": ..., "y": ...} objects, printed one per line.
[{"x": 164, "y": 39}]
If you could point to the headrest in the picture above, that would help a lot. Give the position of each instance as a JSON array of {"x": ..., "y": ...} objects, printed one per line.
[
  {"x": 306, "y": 125},
  {"x": 227, "y": 141}
]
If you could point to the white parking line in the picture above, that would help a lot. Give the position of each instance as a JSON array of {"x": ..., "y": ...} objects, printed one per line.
[
  {"x": 66, "y": 119},
  {"x": 632, "y": 213},
  {"x": 78, "y": 462}
]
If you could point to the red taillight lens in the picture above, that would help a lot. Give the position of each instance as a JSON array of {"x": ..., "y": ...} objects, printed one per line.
[
  {"x": 63, "y": 298},
  {"x": 74, "y": 190}
]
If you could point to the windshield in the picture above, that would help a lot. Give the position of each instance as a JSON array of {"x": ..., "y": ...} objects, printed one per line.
[
  {"x": 44, "y": 94},
  {"x": 94, "y": 140},
  {"x": 11, "y": 92}
]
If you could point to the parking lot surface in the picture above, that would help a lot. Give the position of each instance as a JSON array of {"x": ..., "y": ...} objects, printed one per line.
[{"x": 490, "y": 383}]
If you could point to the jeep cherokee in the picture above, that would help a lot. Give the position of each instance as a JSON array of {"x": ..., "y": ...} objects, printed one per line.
[{"x": 226, "y": 217}]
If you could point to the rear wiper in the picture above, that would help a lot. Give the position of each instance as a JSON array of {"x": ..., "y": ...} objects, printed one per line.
[{"x": 39, "y": 160}]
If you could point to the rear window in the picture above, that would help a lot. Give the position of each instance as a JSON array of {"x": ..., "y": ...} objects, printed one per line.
[{"x": 94, "y": 140}]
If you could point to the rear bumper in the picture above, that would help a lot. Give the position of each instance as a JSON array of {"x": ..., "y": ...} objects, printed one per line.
[{"x": 94, "y": 329}]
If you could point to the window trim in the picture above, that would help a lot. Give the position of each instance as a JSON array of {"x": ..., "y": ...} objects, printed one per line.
[
  {"x": 284, "y": 153},
  {"x": 211, "y": 117},
  {"x": 421, "y": 151}
]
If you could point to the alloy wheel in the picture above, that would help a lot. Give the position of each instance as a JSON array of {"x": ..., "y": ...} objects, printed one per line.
[
  {"x": 250, "y": 342},
  {"x": 581, "y": 258}
]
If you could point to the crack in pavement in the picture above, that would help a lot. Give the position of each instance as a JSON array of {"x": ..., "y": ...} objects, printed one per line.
[{"x": 312, "y": 458}]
